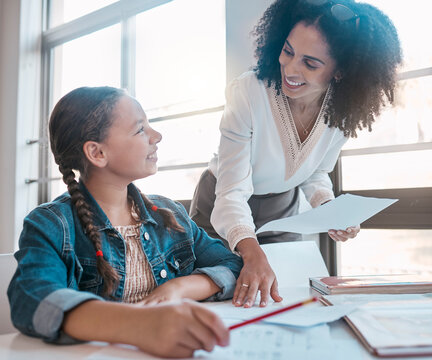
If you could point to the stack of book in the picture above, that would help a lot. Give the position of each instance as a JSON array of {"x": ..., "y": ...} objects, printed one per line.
[{"x": 372, "y": 284}]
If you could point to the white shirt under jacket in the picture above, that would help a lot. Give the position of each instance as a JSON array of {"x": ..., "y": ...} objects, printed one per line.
[{"x": 260, "y": 153}]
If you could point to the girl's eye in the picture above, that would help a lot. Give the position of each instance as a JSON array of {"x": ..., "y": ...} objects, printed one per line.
[{"x": 141, "y": 130}]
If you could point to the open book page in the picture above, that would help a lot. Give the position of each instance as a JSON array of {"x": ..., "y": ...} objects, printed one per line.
[{"x": 390, "y": 323}]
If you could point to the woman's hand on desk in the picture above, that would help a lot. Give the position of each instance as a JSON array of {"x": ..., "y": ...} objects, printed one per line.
[
  {"x": 256, "y": 275},
  {"x": 344, "y": 235}
]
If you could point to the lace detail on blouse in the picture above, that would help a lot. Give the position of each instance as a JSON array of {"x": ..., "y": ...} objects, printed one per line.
[
  {"x": 295, "y": 151},
  {"x": 139, "y": 280},
  {"x": 238, "y": 233}
]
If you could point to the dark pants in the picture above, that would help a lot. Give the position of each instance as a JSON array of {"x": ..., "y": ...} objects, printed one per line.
[{"x": 264, "y": 208}]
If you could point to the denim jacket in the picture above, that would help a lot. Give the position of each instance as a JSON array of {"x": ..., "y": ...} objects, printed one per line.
[{"x": 57, "y": 262}]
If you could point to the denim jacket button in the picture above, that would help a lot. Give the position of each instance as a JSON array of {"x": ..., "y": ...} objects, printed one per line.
[
  {"x": 146, "y": 235},
  {"x": 163, "y": 274}
]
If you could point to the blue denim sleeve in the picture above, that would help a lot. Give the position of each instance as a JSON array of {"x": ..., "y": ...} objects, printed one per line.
[
  {"x": 214, "y": 260},
  {"x": 44, "y": 287}
]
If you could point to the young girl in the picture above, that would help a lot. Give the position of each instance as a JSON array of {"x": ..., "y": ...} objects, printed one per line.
[{"x": 104, "y": 240}]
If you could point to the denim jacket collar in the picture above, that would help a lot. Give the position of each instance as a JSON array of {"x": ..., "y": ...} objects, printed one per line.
[{"x": 100, "y": 219}]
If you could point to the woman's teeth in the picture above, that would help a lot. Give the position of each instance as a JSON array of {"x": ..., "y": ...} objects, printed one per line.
[{"x": 293, "y": 83}]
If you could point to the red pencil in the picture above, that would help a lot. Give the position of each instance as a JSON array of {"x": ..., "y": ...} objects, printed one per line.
[{"x": 286, "y": 308}]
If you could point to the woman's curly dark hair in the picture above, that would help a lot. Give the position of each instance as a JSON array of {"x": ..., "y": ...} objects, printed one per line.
[{"x": 366, "y": 50}]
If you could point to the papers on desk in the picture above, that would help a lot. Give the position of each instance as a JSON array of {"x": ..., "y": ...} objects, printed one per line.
[
  {"x": 307, "y": 316},
  {"x": 265, "y": 342},
  {"x": 391, "y": 324},
  {"x": 344, "y": 211}
]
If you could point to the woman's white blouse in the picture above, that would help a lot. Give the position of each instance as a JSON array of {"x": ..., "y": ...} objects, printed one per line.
[{"x": 260, "y": 153}]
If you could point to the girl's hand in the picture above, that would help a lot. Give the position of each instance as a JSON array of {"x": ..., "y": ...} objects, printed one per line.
[
  {"x": 195, "y": 287},
  {"x": 344, "y": 235},
  {"x": 177, "y": 330},
  {"x": 256, "y": 275},
  {"x": 168, "y": 291},
  {"x": 165, "y": 330}
]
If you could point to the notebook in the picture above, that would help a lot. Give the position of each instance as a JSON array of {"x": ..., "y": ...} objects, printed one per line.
[
  {"x": 372, "y": 284},
  {"x": 390, "y": 325}
]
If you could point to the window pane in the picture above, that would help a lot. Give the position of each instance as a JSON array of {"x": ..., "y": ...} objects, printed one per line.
[
  {"x": 182, "y": 137},
  {"x": 174, "y": 184},
  {"x": 180, "y": 57},
  {"x": 412, "y": 20},
  {"x": 386, "y": 252},
  {"x": 62, "y": 11},
  {"x": 409, "y": 121},
  {"x": 92, "y": 60},
  {"x": 410, "y": 169},
  {"x": 58, "y": 187}
]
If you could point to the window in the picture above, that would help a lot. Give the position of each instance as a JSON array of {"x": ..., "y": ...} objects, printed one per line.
[
  {"x": 166, "y": 56},
  {"x": 394, "y": 161}
]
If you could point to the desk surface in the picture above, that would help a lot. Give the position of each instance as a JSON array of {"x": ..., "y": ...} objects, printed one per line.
[
  {"x": 290, "y": 261},
  {"x": 343, "y": 344}
]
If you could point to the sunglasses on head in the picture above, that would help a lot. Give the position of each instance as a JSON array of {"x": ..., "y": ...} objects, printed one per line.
[{"x": 338, "y": 11}]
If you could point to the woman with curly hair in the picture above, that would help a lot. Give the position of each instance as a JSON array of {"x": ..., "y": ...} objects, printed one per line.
[{"x": 324, "y": 71}]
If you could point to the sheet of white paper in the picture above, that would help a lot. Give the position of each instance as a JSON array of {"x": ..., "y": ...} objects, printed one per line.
[
  {"x": 265, "y": 342},
  {"x": 344, "y": 211},
  {"x": 305, "y": 316},
  {"x": 312, "y": 315},
  {"x": 294, "y": 262}
]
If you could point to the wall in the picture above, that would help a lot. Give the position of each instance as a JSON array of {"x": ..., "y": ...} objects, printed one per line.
[
  {"x": 20, "y": 28},
  {"x": 9, "y": 40},
  {"x": 241, "y": 17}
]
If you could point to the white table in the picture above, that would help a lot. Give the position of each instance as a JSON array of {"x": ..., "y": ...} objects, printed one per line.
[
  {"x": 20, "y": 347},
  {"x": 285, "y": 263}
]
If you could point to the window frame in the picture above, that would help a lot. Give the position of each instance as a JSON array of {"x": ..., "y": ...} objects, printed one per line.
[
  {"x": 413, "y": 211},
  {"x": 123, "y": 12}
]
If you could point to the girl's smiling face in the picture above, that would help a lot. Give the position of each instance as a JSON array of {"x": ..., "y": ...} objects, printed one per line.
[
  {"x": 306, "y": 65},
  {"x": 131, "y": 142}
]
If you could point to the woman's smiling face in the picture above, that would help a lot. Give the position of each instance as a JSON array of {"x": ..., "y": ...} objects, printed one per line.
[{"x": 306, "y": 65}]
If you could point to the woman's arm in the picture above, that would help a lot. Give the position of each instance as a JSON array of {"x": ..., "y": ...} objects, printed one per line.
[
  {"x": 171, "y": 330},
  {"x": 231, "y": 216}
]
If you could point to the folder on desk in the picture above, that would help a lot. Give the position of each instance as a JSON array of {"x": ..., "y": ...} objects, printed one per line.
[{"x": 391, "y": 325}]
